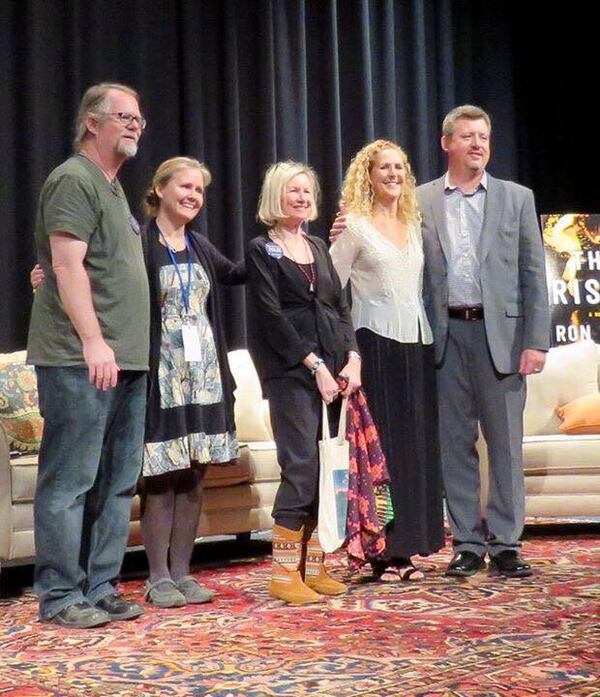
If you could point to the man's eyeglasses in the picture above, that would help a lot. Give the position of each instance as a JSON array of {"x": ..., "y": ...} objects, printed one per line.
[{"x": 125, "y": 118}]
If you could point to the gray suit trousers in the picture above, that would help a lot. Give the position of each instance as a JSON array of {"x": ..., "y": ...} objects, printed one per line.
[{"x": 472, "y": 392}]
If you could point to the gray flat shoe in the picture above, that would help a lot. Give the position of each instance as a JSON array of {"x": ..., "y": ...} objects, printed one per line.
[
  {"x": 164, "y": 593},
  {"x": 80, "y": 616},
  {"x": 194, "y": 593}
]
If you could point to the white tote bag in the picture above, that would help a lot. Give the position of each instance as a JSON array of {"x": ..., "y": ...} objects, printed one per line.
[{"x": 334, "y": 460}]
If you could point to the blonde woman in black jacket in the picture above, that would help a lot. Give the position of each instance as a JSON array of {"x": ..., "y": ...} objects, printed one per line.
[{"x": 303, "y": 340}]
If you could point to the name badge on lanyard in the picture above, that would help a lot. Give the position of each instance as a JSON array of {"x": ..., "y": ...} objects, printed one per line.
[{"x": 192, "y": 350}]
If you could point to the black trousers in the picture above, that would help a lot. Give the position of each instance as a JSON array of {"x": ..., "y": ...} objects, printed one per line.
[{"x": 295, "y": 410}]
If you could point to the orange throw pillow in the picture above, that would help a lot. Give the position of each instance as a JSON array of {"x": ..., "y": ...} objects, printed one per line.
[{"x": 582, "y": 415}]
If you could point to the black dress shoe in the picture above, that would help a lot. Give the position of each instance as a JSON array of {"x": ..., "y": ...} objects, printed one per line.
[
  {"x": 118, "y": 608},
  {"x": 465, "y": 564},
  {"x": 509, "y": 563}
]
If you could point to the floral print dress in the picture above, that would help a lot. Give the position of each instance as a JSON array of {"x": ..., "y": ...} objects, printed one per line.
[{"x": 191, "y": 392}]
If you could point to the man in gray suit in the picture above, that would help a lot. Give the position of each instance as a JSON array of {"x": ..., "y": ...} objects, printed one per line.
[{"x": 486, "y": 298}]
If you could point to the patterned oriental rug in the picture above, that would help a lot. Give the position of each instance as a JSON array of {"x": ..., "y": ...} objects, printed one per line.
[{"x": 480, "y": 637}]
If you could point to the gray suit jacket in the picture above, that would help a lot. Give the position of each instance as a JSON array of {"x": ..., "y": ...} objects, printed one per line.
[{"x": 513, "y": 277}]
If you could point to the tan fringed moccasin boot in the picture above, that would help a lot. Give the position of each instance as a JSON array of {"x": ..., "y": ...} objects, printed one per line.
[
  {"x": 286, "y": 580},
  {"x": 315, "y": 573}
]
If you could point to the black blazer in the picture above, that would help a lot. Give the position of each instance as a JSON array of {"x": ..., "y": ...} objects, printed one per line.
[{"x": 288, "y": 322}]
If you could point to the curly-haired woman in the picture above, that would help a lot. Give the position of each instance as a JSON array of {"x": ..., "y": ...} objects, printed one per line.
[{"x": 381, "y": 254}]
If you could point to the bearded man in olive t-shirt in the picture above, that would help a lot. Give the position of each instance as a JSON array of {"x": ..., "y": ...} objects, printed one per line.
[{"x": 89, "y": 338}]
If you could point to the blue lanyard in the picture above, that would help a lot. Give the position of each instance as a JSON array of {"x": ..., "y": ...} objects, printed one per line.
[{"x": 185, "y": 290}]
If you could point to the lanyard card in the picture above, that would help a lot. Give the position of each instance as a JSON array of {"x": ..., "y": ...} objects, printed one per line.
[{"x": 191, "y": 343}]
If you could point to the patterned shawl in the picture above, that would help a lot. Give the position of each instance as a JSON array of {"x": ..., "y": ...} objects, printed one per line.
[{"x": 369, "y": 499}]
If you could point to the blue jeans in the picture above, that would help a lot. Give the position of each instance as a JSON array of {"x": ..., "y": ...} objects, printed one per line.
[{"x": 90, "y": 458}]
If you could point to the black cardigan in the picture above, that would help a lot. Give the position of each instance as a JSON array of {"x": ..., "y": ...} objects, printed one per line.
[
  {"x": 289, "y": 322},
  {"x": 219, "y": 270}
]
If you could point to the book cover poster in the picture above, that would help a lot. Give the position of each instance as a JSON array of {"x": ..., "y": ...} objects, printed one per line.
[{"x": 572, "y": 247}]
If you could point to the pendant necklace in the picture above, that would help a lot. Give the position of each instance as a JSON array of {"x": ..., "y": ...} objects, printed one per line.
[
  {"x": 311, "y": 274},
  {"x": 168, "y": 243}
]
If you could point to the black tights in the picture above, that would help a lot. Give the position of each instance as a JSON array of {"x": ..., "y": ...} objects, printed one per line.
[{"x": 171, "y": 505}]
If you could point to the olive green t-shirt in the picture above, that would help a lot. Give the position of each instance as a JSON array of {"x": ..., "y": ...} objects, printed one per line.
[{"x": 78, "y": 199}]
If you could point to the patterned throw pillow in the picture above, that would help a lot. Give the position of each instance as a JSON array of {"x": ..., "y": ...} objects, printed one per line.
[{"x": 19, "y": 411}]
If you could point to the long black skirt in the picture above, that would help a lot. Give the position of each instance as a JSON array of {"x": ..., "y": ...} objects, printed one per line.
[{"x": 400, "y": 383}]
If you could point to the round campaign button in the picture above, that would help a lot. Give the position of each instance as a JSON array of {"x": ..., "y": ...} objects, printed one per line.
[{"x": 274, "y": 250}]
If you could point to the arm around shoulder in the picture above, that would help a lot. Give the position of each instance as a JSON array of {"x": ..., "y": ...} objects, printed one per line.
[{"x": 229, "y": 273}]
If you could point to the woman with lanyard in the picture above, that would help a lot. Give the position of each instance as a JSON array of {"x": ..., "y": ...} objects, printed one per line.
[
  {"x": 189, "y": 420},
  {"x": 303, "y": 340}
]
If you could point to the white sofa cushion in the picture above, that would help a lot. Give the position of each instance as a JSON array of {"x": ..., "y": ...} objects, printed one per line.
[
  {"x": 15, "y": 357},
  {"x": 251, "y": 413},
  {"x": 562, "y": 454},
  {"x": 570, "y": 372}
]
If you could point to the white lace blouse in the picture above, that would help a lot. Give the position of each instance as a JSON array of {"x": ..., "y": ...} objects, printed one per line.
[{"x": 386, "y": 281}]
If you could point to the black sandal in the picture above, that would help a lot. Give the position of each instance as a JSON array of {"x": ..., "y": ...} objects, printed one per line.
[
  {"x": 394, "y": 570},
  {"x": 409, "y": 572},
  {"x": 379, "y": 567}
]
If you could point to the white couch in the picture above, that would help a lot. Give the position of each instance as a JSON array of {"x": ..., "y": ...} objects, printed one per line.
[
  {"x": 562, "y": 467},
  {"x": 562, "y": 471}
]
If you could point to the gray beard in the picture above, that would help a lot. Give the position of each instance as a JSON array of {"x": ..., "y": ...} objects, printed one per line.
[{"x": 127, "y": 148}]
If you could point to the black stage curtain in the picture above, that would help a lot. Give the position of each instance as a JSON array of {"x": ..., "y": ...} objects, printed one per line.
[{"x": 242, "y": 83}]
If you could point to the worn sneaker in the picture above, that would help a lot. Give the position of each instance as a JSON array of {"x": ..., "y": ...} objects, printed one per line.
[
  {"x": 80, "y": 616},
  {"x": 164, "y": 593},
  {"x": 193, "y": 592},
  {"x": 118, "y": 608}
]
